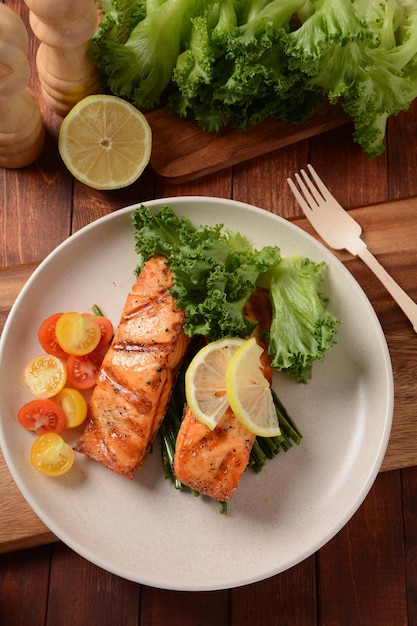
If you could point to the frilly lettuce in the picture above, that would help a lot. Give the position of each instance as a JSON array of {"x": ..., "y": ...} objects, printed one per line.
[
  {"x": 237, "y": 62},
  {"x": 363, "y": 54},
  {"x": 216, "y": 270},
  {"x": 302, "y": 328}
]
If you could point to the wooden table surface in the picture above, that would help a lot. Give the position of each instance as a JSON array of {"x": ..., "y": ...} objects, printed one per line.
[{"x": 366, "y": 574}]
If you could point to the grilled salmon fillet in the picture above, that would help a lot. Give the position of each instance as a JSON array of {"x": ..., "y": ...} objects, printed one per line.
[
  {"x": 137, "y": 374},
  {"x": 212, "y": 461}
]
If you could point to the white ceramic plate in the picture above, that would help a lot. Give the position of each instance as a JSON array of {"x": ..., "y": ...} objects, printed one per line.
[{"x": 145, "y": 530}]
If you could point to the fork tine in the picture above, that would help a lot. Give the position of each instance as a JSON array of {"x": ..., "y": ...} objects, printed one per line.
[
  {"x": 313, "y": 189},
  {"x": 323, "y": 189},
  {"x": 301, "y": 201},
  {"x": 307, "y": 202},
  {"x": 316, "y": 194},
  {"x": 306, "y": 188}
]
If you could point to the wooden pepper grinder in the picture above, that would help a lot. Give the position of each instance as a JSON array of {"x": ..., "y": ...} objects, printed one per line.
[
  {"x": 22, "y": 132},
  {"x": 67, "y": 72}
]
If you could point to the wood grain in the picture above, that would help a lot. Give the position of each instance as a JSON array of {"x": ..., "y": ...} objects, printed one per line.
[
  {"x": 12, "y": 280},
  {"x": 23, "y": 595},
  {"x": 256, "y": 603},
  {"x": 83, "y": 582},
  {"x": 409, "y": 503},
  {"x": 348, "y": 584},
  {"x": 20, "y": 527},
  {"x": 195, "y": 153},
  {"x": 198, "y": 609}
]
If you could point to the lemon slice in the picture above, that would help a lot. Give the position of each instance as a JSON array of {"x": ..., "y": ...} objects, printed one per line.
[
  {"x": 249, "y": 393},
  {"x": 105, "y": 142},
  {"x": 205, "y": 380}
]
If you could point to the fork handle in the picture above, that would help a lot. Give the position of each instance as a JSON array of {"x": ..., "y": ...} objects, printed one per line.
[{"x": 408, "y": 306}]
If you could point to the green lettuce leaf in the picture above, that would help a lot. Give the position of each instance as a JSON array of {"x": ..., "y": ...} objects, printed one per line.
[{"x": 302, "y": 329}]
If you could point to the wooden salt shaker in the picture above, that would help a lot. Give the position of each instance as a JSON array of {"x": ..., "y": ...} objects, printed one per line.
[
  {"x": 22, "y": 132},
  {"x": 67, "y": 72}
]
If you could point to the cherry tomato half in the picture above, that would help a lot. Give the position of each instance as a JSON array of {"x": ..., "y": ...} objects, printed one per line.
[
  {"x": 106, "y": 328},
  {"x": 77, "y": 334},
  {"x": 47, "y": 336},
  {"x": 42, "y": 416},
  {"x": 51, "y": 455},
  {"x": 74, "y": 406},
  {"x": 82, "y": 371},
  {"x": 45, "y": 375}
]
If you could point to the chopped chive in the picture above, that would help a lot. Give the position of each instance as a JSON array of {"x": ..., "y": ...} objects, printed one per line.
[{"x": 97, "y": 311}]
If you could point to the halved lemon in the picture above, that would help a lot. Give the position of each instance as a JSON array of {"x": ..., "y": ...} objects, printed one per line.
[
  {"x": 205, "y": 380},
  {"x": 249, "y": 393},
  {"x": 105, "y": 142}
]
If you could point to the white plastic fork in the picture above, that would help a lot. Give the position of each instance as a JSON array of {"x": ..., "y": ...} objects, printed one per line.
[{"x": 341, "y": 232}]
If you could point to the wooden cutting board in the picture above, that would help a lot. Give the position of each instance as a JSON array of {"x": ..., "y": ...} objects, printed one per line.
[
  {"x": 390, "y": 230},
  {"x": 195, "y": 153}
]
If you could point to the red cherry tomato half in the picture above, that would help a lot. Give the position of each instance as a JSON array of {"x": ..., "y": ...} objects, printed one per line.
[
  {"x": 82, "y": 371},
  {"x": 47, "y": 337},
  {"x": 106, "y": 328},
  {"x": 42, "y": 416}
]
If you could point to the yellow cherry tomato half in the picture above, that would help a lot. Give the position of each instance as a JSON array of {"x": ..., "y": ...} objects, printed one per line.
[
  {"x": 77, "y": 334},
  {"x": 74, "y": 405},
  {"x": 45, "y": 375},
  {"x": 51, "y": 455}
]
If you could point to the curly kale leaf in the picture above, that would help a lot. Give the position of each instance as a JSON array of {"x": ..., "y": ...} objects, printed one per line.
[{"x": 215, "y": 270}]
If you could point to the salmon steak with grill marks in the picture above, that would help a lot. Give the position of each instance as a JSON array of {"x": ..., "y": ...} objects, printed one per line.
[{"x": 137, "y": 375}]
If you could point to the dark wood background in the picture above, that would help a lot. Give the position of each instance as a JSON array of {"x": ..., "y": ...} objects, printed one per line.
[{"x": 364, "y": 576}]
